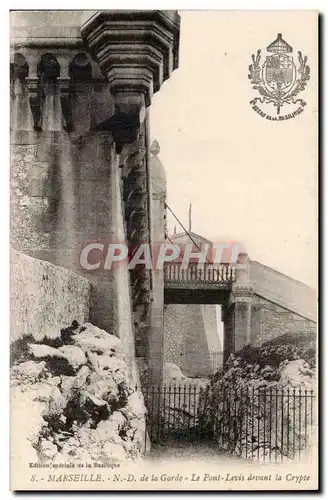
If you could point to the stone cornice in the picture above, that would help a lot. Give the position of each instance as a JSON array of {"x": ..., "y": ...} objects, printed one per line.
[
  {"x": 241, "y": 293},
  {"x": 137, "y": 50},
  {"x": 46, "y": 43},
  {"x": 242, "y": 289}
]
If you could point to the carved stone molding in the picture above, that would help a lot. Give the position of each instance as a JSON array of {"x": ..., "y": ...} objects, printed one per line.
[
  {"x": 136, "y": 205},
  {"x": 137, "y": 51},
  {"x": 73, "y": 77},
  {"x": 241, "y": 293}
]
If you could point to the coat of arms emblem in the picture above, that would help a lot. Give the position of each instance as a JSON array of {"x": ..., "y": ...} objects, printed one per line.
[{"x": 278, "y": 79}]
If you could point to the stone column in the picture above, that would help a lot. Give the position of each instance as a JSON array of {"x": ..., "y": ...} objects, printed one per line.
[
  {"x": 242, "y": 320},
  {"x": 237, "y": 315},
  {"x": 227, "y": 317},
  {"x": 158, "y": 229}
]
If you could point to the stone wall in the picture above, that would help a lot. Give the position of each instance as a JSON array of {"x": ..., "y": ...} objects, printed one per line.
[
  {"x": 45, "y": 297},
  {"x": 281, "y": 305},
  {"x": 269, "y": 321},
  {"x": 29, "y": 178},
  {"x": 186, "y": 332},
  {"x": 284, "y": 291},
  {"x": 61, "y": 200}
]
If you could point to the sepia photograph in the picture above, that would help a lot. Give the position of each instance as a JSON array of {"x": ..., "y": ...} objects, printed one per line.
[{"x": 164, "y": 250}]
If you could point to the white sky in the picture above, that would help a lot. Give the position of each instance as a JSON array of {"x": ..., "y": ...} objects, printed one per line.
[{"x": 248, "y": 179}]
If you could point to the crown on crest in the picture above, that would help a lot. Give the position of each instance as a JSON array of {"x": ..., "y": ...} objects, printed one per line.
[{"x": 279, "y": 46}]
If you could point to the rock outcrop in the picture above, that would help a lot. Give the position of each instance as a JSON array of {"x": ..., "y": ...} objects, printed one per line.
[
  {"x": 73, "y": 399},
  {"x": 261, "y": 405}
]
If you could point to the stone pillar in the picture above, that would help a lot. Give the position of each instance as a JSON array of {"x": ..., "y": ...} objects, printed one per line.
[
  {"x": 242, "y": 320},
  {"x": 158, "y": 228},
  {"x": 237, "y": 314},
  {"x": 135, "y": 71}
]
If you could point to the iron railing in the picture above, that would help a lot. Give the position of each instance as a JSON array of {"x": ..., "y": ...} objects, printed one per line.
[
  {"x": 193, "y": 273},
  {"x": 257, "y": 424}
]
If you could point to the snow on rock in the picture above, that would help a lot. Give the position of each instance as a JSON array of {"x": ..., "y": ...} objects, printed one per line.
[
  {"x": 73, "y": 354},
  {"x": 296, "y": 373},
  {"x": 74, "y": 384},
  {"x": 28, "y": 372},
  {"x": 99, "y": 341},
  {"x": 134, "y": 407},
  {"x": 77, "y": 398},
  {"x": 44, "y": 351},
  {"x": 172, "y": 372}
]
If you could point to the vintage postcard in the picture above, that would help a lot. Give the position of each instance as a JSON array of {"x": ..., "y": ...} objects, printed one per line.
[{"x": 164, "y": 192}]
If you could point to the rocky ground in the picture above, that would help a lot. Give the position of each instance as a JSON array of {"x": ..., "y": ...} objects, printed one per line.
[
  {"x": 190, "y": 451},
  {"x": 73, "y": 399}
]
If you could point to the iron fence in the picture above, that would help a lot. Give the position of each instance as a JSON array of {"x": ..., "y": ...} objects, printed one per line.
[{"x": 267, "y": 424}]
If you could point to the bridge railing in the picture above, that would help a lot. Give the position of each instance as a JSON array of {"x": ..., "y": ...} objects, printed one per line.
[{"x": 207, "y": 273}]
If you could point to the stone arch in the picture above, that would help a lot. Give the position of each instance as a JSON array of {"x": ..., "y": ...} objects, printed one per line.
[
  {"x": 80, "y": 69},
  {"x": 18, "y": 67},
  {"x": 48, "y": 69}
]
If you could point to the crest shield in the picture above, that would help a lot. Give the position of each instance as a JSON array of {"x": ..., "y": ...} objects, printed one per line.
[
  {"x": 277, "y": 80},
  {"x": 279, "y": 71}
]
